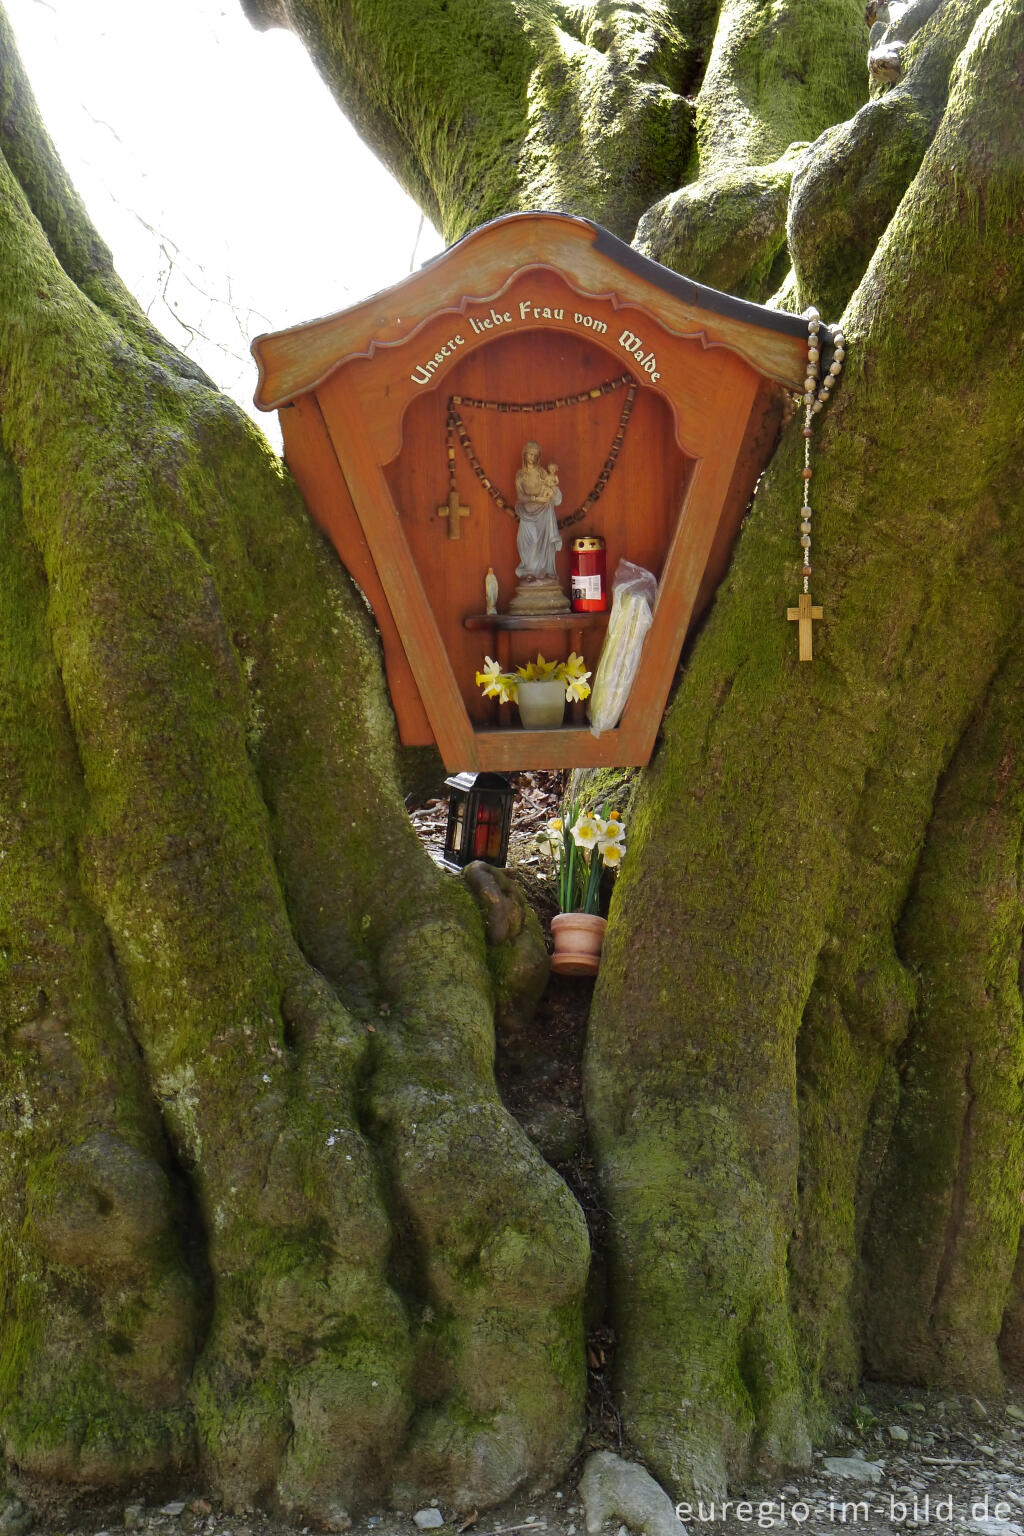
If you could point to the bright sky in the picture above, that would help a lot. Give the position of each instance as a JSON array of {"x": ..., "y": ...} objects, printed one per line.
[{"x": 214, "y": 162}]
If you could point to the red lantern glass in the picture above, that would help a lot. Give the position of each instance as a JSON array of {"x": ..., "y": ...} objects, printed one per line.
[{"x": 479, "y": 819}]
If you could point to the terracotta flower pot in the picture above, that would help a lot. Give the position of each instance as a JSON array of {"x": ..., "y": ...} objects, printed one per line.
[
  {"x": 541, "y": 704},
  {"x": 578, "y": 938}
]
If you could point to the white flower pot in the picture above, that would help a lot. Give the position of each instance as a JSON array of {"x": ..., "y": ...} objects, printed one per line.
[{"x": 541, "y": 704}]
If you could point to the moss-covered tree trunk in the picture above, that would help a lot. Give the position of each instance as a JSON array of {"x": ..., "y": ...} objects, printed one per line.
[{"x": 260, "y": 1205}]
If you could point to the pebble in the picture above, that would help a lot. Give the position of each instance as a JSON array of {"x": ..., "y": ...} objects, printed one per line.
[
  {"x": 855, "y": 1468},
  {"x": 15, "y": 1519},
  {"x": 176, "y": 1508},
  {"x": 429, "y": 1519},
  {"x": 615, "y": 1489},
  {"x": 897, "y": 1432},
  {"x": 1015, "y": 1413}
]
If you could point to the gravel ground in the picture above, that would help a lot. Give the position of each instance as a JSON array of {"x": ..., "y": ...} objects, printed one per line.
[{"x": 901, "y": 1461}]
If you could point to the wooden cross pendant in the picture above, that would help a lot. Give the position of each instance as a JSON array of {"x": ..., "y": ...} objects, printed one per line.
[
  {"x": 453, "y": 512},
  {"x": 804, "y": 613}
]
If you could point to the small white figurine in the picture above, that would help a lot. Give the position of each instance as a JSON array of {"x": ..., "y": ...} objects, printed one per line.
[{"x": 491, "y": 590}]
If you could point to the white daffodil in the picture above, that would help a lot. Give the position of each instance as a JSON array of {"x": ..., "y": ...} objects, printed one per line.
[
  {"x": 577, "y": 688},
  {"x": 612, "y": 832},
  {"x": 490, "y": 678},
  {"x": 552, "y": 837},
  {"x": 495, "y": 683},
  {"x": 611, "y": 853},
  {"x": 587, "y": 831}
]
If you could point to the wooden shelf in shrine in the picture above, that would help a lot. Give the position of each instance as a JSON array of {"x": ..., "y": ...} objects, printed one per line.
[
  {"x": 566, "y": 621},
  {"x": 507, "y": 748},
  {"x": 500, "y": 626}
]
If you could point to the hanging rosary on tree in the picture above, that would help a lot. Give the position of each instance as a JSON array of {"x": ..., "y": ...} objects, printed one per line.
[{"x": 813, "y": 399}]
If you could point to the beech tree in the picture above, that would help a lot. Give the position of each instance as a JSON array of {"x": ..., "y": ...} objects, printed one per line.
[{"x": 262, "y": 1211}]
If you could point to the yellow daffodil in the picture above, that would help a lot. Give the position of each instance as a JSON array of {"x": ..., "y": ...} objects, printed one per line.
[
  {"x": 504, "y": 686},
  {"x": 540, "y": 671}
]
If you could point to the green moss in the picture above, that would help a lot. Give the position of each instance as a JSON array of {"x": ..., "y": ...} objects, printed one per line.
[
  {"x": 946, "y": 1216},
  {"x": 848, "y": 187},
  {"x": 482, "y": 110},
  {"x": 604, "y": 138},
  {"x": 595, "y": 787},
  {"x": 786, "y": 813},
  {"x": 778, "y": 75},
  {"x": 71, "y": 1405},
  {"x": 728, "y": 229}
]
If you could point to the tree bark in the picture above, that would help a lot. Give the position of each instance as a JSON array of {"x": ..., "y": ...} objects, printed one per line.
[
  {"x": 242, "y": 1005},
  {"x": 261, "y": 1206}
]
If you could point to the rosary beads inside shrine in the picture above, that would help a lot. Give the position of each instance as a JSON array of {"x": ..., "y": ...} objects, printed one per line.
[
  {"x": 456, "y": 427},
  {"x": 813, "y": 399}
]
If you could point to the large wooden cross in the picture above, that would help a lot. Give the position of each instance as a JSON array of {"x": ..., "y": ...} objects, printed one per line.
[
  {"x": 804, "y": 613},
  {"x": 453, "y": 512}
]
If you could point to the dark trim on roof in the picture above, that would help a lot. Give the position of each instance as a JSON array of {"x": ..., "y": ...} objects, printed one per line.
[{"x": 682, "y": 288}]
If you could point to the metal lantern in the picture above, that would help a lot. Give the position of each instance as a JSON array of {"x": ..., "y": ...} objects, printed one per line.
[{"x": 479, "y": 819}]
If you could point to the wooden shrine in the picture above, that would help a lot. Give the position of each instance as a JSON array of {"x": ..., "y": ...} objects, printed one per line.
[{"x": 550, "y": 313}]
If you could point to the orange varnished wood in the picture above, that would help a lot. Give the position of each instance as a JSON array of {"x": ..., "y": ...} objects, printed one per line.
[
  {"x": 635, "y": 524},
  {"x": 525, "y": 352},
  {"x": 688, "y": 553},
  {"x": 479, "y": 268},
  {"x": 310, "y": 456},
  {"x": 569, "y": 623},
  {"x": 759, "y": 441},
  {"x": 527, "y": 310},
  {"x": 505, "y": 750},
  {"x": 406, "y": 597}
]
